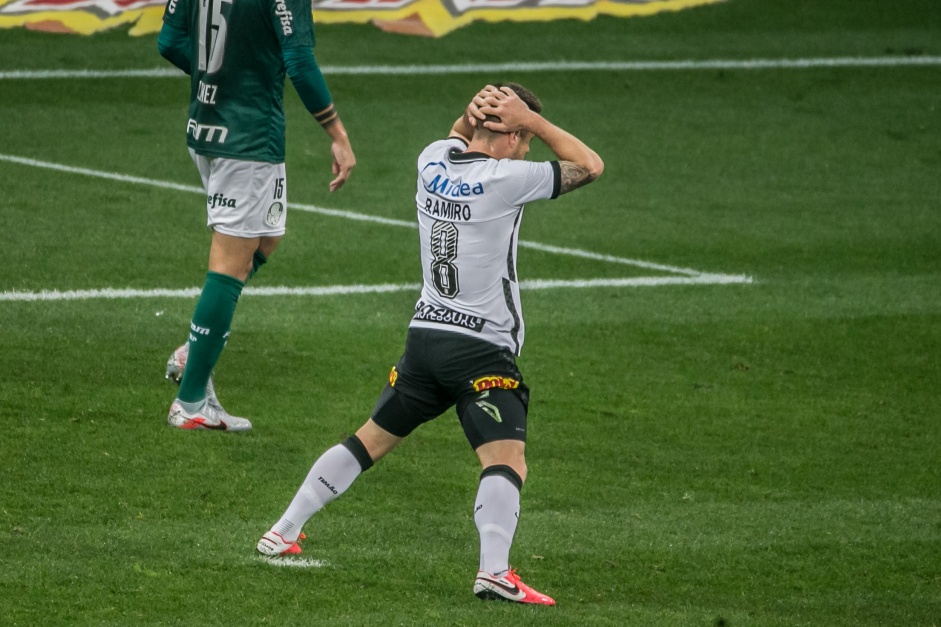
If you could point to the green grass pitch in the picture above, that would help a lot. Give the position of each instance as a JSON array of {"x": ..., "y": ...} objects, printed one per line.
[{"x": 761, "y": 453}]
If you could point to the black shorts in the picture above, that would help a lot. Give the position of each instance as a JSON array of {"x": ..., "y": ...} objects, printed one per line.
[{"x": 440, "y": 369}]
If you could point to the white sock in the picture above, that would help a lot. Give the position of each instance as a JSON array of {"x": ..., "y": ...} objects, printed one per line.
[
  {"x": 329, "y": 477},
  {"x": 496, "y": 513}
]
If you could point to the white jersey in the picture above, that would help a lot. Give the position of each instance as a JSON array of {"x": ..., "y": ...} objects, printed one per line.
[{"x": 469, "y": 211}]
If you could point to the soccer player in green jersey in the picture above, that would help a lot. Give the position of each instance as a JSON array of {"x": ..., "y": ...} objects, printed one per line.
[{"x": 237, "y": 55}]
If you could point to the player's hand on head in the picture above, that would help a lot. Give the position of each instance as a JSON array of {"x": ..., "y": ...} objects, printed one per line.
[
  {"x": 479, "y": 100},
  {"x": 506, "y": 105}
]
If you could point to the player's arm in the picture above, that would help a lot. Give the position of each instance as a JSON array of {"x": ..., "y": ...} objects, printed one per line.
[
  {"x": 173, "y": 44},
  {"x": 310, "y": 85},
  {"x": 578, "y": 163},
  {"x": 463, "y": 128}
]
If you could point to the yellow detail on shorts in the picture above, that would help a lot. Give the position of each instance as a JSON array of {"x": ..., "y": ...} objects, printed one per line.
[
  {"x": 493, "y": 382},
  {"x": 393, "y": 376}
]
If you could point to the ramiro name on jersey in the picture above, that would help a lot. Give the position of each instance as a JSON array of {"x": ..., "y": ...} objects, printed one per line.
[{"x": 447, "y": 209}]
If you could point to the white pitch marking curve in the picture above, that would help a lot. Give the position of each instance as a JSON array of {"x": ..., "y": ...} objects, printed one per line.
[{"x": 689, "y": 276}]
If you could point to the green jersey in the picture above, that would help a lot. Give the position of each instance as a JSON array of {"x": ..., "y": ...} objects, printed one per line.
[{"x": 237, "y": 88}]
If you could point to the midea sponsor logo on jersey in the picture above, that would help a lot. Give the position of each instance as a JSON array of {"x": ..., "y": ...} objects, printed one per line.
[
  {"x": 286, "y": 17},
  {"x": 441, "y": 185}
]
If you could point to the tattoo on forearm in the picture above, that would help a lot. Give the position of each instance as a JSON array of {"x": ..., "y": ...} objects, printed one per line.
[{"x": 573, "y": 176}]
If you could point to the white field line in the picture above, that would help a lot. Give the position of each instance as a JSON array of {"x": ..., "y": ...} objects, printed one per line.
[
  {"x": 574, "y": 252},
  {"x": 351, "y": 215},
  {"x": 335, "y": 290},
  {"x": 548, "y": 66},
  {"x": 292, "y": 562}
]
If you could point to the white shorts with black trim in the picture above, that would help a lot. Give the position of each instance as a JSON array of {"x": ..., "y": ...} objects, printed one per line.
[{"x": 244, "y": 198}]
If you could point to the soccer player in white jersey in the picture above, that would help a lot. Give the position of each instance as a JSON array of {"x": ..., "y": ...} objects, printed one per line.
[
  {"x": 467, "y": 329},
  {"x": 237, "y": 55}
]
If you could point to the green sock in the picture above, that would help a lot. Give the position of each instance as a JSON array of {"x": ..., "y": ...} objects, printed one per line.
[
  {"x": 258, "y": 260},
  {"x": 209, "y": 331}
]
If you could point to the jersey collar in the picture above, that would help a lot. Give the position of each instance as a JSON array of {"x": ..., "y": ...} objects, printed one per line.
[{"x": 456, "y": 156}]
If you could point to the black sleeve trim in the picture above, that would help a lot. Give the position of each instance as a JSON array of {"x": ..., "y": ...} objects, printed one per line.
[
  {"x": 327, "y": 116},
  {"x": 556, "y": 179}
]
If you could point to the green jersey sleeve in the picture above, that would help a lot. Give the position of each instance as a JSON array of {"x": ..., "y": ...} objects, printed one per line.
[
  {"x": 293, "y": 23},
  {"x": 175, "y": 14},
  {"x": 307, "y": 79},
  {"x": 173, "y": 45}
]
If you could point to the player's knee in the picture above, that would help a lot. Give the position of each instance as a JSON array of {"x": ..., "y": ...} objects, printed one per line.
[
  {"x": 521, "y": 469},
  {"x": 376, "y": 442},
  {"x": 518, "y": 464},
  {"x": 504, "y": 454},
  {"x": 267, "y": 245},
  {"x": 356, "y": 447},
  {"x": 247, "y": 268},
  {"x": 394, "y": 414},
  {"x": 510, "y": 473}
]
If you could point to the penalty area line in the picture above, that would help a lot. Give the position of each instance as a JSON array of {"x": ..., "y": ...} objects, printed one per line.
[{"x": 385, "y": 288}]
